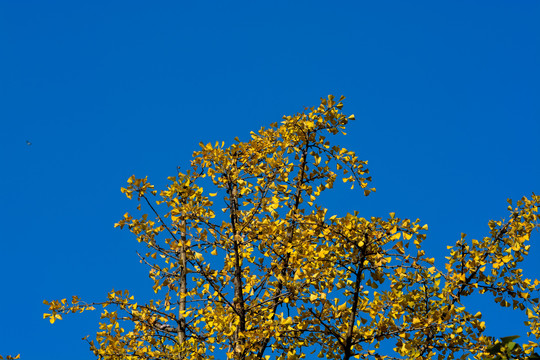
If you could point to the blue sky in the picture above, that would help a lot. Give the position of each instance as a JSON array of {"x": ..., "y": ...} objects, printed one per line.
[{"x": 446, "y": 96}]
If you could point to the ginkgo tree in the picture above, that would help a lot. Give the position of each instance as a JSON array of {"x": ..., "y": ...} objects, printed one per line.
[{"x": 247, "y": 263}]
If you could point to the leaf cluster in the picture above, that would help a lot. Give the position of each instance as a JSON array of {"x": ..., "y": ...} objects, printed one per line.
[{"x": 508, "y": 349}]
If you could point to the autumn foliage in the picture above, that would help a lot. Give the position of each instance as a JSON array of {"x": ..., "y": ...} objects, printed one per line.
[{"x": 247, "y": 263}]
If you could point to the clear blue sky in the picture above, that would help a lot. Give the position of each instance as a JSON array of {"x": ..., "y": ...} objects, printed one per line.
[{"x": 446, "y": 95}]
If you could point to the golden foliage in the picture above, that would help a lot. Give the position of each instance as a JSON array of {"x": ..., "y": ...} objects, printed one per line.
[{"x": 272, "y": 274}]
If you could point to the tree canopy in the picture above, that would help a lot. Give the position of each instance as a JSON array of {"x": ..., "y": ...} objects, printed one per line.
[{"x": 247, "y": 263}]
